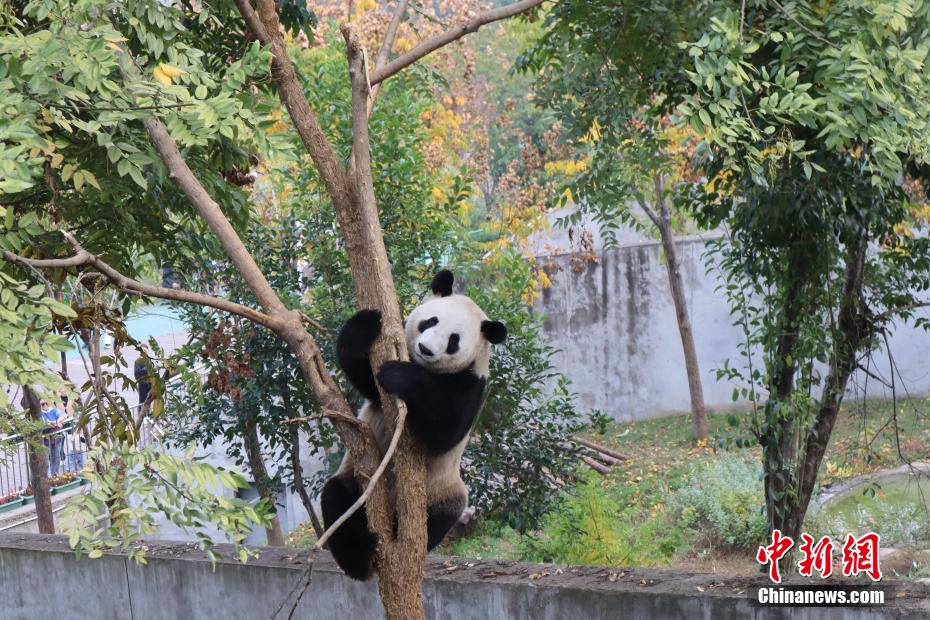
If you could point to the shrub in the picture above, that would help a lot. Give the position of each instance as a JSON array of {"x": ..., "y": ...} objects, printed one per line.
[
  {"x": 594, "y": 524},
  {"x": 518, "y": 454},
  {"x": 722, "y": 501}
]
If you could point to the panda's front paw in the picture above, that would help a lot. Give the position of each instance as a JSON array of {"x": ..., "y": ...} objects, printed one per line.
[
  {"x": 396, "y": 377},
  {"x": 360, "y": 331}
]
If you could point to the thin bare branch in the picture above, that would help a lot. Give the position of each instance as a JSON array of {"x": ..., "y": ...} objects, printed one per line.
[
  {"x": 327, "y": 413},
  {"x": 390, "y": 36},
  {"x": 440, "y": 40},
  {"x": 314, "y": 323},
  {"x": 385, "y": 460},
  {"x": 83, "y": 258},
  {"x": 803, "y": 27},
  {"x": 894, "y": 311}
]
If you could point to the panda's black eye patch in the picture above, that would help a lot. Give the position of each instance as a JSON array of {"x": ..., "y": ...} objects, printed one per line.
[
  {"x": 453, "y": 344},
  {"x": 425, "y": 325}
]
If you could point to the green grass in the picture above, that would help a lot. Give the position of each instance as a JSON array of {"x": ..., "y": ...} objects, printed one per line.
[{"x": 623, "y": 518}]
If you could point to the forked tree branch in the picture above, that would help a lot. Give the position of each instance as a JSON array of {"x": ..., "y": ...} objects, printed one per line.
[
  {"x": 204, "y": 204},
  {"x": 440, "y": 40},
  {"x": 83, "y": 258},
  {"x": 288, "y": 324}
]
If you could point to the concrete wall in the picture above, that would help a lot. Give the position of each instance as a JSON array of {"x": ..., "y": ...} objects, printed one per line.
[
  {"x": 40, "y": 578},
  {"x": 614, "y": 322}
]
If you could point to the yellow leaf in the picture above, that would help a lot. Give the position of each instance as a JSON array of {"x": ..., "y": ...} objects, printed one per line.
[
  {"x": 171, "y": 71},
  {"x": 57, "y": 158},
  {"x": 161, "y": 77},
  {"x": 90, "y": 178}
]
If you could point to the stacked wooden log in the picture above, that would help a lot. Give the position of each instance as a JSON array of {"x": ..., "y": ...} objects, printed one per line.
[{"x": 599, "y": 458}]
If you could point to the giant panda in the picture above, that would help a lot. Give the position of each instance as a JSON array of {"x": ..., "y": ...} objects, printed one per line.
[{"x": 449, "y": 339}]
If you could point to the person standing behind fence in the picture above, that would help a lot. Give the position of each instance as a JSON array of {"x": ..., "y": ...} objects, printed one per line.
[
  {"x": 142, "y": 372},
  {"x": 72, "y": 450},
  {"x": 52, "y": 436}
]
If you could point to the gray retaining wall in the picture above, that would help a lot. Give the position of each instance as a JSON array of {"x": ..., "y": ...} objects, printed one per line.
[
  {"x": 40, "y": 578},
  {"x": 614, "y": 322}
]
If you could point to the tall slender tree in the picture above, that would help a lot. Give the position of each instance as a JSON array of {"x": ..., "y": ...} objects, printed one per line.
[{"x": 812, "y": 122}]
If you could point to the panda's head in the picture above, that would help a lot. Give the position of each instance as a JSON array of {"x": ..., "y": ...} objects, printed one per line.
[{"x": 448, "y": 333}]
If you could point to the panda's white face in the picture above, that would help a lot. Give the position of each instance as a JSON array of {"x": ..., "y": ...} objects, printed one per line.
[{"x": 444, "y": 335}]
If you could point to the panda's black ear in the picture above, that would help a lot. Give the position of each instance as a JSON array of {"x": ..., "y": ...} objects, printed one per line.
[
  {"x": 442, "y": 283},
  {"x": 494, "y": 331}
]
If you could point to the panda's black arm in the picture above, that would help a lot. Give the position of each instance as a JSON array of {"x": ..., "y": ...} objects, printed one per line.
[
  {"x": 442, "y": 407},
  {"x": 352, "y": 346}
]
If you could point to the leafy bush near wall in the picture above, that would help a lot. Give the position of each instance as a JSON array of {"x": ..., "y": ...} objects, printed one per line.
[
  {"x": 597, "y": 524},
  {"x": 722, "y": 502},
  {"x": 518, "y": 455}
]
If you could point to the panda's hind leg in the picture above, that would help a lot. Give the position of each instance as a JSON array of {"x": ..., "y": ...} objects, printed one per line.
[
  {"x": 353, "y": 544},
  {"x": 441, "y": 516}
]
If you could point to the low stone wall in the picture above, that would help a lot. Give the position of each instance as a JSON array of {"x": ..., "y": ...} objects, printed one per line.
[{"x": 40, "y": 578}]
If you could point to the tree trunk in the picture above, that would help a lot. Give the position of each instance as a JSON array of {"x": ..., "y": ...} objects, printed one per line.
[
  {"x": 263, "y": 482},
  {"x": 779, "y": 451},
  {"x": 297, "y": 470},
  {"x": 38, "y": 467},
  {"x": 852, "y": 330},
  {"x": 676, "y": 285},
  {"x": 401, "y": 559}
]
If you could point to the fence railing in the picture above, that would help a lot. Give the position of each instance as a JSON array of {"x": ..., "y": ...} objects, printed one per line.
[{"x": 66, "y": 451}]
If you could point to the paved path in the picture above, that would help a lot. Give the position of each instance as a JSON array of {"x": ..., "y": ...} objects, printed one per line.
[{"x": 78, "y": 375}]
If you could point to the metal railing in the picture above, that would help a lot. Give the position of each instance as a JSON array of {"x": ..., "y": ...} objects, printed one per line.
[
  {"x": 65, "y": 452},
  {"x": 66, "y": 449}
]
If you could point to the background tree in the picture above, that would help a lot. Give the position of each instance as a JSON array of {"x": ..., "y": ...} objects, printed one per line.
[
  {"x": 606, "y": 72},
  {"x": 27, "y": 315},
  {"x": 128, "y": 67},
  {"x": 825, "y": 114},
  {"x": 812, "y": 121}
]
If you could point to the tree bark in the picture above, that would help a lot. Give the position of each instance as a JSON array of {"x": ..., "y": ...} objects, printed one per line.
[
  {"x": 401, "y": 560},
  {"x": 263, "y": 483},
  {"x": 38, "y": 467},
  {"x": 853, "y": 329},
  {"x": 296, "y": 469},
  {"x": 778, "y": 457},
  {"x": 676, "y": 285}
]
